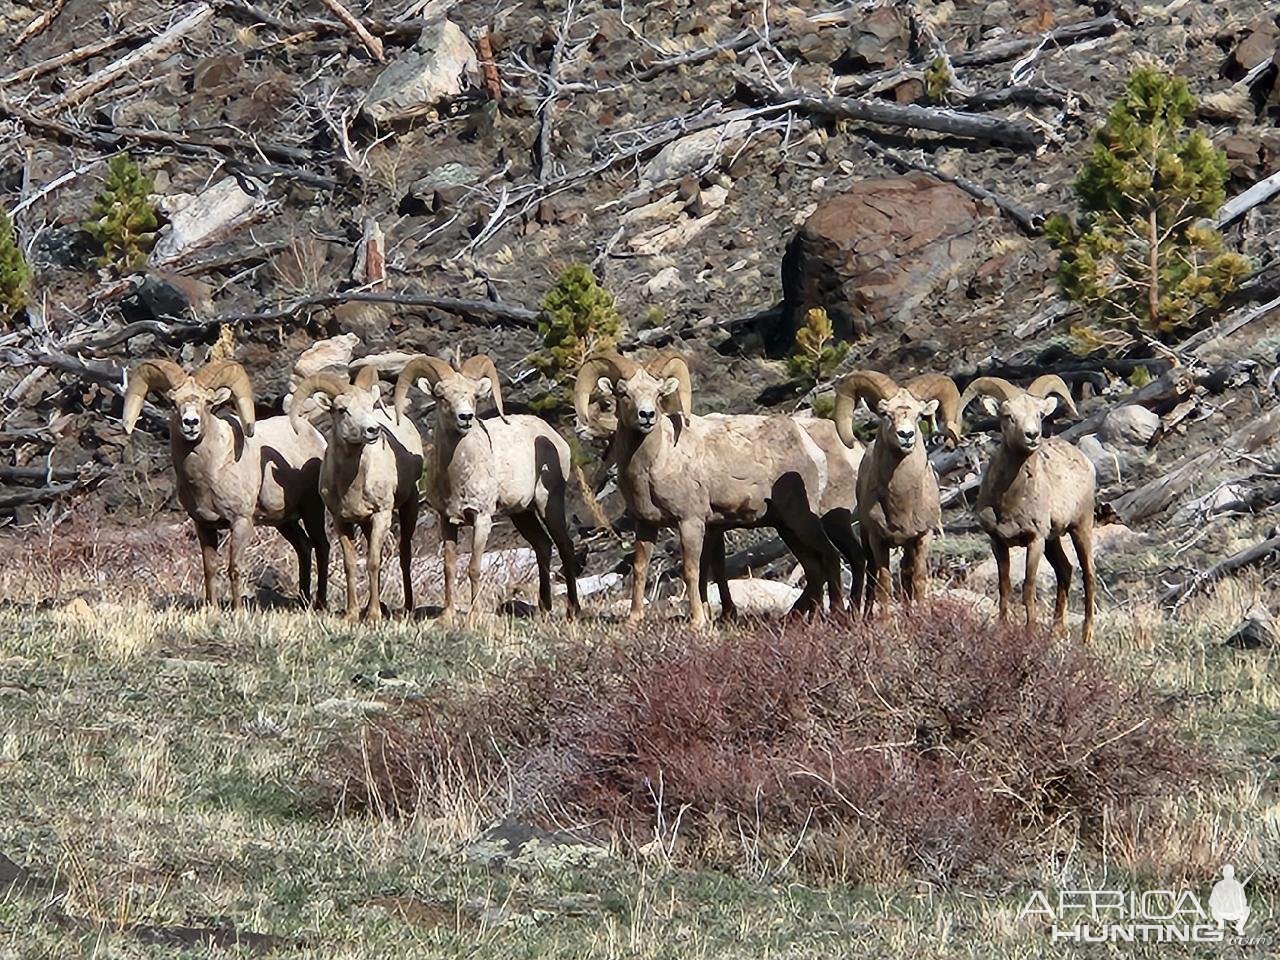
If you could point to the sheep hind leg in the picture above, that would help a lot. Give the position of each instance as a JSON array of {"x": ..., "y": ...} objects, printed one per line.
[
  {"x": 1082, "y": 540},
  {"x": 557, "y": 525},
  {"x": 241, "y": 531},
  {"x": 408, "y": 524},
  {"x": 313, "y": 523},
  {"x": 1057, "y": 557},
  {"x": 208, "y": 539},
  {"x": 449, "y": 551},
  {"x": 351, "y": 567},
  {"x": 292, "y": 532},
  {"x": 530, "y": 527},
  {"x": 839, "y": 527},
  {"x": 713, "y": 559},
  {"x": 808, "y": 536}
]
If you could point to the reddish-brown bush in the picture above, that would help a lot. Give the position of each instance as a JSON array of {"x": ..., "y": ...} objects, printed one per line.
[{"x": 942, "y": 737}]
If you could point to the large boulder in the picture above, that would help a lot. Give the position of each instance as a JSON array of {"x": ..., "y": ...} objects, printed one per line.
[
  {"x": 873, "y": 253},
  {"x": 1132, "y": 424},
  {"x": 438, "y": 67}
]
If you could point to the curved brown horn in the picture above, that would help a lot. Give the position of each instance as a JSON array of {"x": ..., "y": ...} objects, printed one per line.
[
  {"x": 230, "y": 374},
  {"x": 366, "y": 376},
  {"x": 589, "y": 373},
  {"x": 433, "y": 368},
  {"x": 671, "y": 363},
  {"x": 481, "y": 365},
  {"x": 940, "y": 387},
  {"x": 329, "y": 383},
  {"x": 997, "y": 387},
  {"x": 1052, "y": 383},
  {"x": 852, "y": 387},
  {"x": 144, "y": 377}
]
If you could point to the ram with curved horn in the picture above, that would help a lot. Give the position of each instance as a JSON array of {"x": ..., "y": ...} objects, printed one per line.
[
  {"x": 897, "y": 501},
  {"x": 369, "y": 475},
  {"x": 1035, "y": 490},
  {"x": 234, "y": 472},
  {"x": 705, "y": 474},
  {"x": 510, "y": 465}
]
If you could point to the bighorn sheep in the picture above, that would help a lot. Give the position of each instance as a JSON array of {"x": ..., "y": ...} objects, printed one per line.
[
  {"x": 234, "y": 472},
  {"x": 514, "y": 466},
  {"x": 678, "y": 470},
  {"x": 371, "y": 470},
  {"x": 897, "y": 503},
  {"x": 835, "y": 508},
  {"x": 1034, "y": 490}
]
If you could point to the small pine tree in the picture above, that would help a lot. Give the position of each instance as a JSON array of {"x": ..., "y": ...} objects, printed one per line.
[
  {"x": 1144, "y": 254},
  {"x": 817, "y": 354},
  {"x": 124, "y": 221},
  {"x": 578, "y": 318},
  {"x": 15, "y": 275}
]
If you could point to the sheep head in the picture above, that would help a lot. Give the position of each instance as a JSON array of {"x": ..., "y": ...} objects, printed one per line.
[
  {"x": 354, "y": 405},
  {"x": 194, "y": 396},
  {"x": 899, "y": 408},
  {"x": 641, "y": 394},
  {"x": 1021, "y": 412},
  {"x": 457, "y": 392}
]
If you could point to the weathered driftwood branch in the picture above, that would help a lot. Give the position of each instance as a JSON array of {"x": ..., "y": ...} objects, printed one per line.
[
  {"x": 1248, "y": 557},
  {"x": 157, "y": 48},
  {"x": 1059, "y": 37},
  {"x": 546, "y": 117},
  {"x": 78, "y": 55},
  {"x": 28, "y": 498},
  {"x": 496, "y": 312},
  {"x": 1154, "y": 497},
  {"x": 956, "y": 123},
  {"x": 42, "y": 475},
  {"x": 348, "y": 20},
  {"x": 735, "y": 44},
  {"x": 1239, "y": 205},
  {"x": 397, "y": 31},
  {"x": 39, "y": 25}
]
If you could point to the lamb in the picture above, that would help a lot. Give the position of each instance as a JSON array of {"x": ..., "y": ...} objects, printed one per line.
[
  {"x": 897, "y": 500},
  {"x": 234, "y": 472},
  {"x": 514, "y": 466},
  {"x": 835, "y": 508},
  {"x": 370, "y": 471},
  {"x": 1034, "y": 490},
  {"x": 692, "y": 473}
]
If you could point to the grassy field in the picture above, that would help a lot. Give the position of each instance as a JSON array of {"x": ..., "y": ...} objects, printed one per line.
[{"x": 154, "y": 771}]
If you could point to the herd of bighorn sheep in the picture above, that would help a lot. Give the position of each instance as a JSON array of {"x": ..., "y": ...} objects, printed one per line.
[{"x": 829, "y": 498}]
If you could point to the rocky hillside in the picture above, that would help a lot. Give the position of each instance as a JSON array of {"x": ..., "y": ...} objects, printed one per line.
[{"x": 418, "y": 173}]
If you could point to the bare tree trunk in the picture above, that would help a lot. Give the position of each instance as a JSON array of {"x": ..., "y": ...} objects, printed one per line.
[{"x": 1153, "y": 291}]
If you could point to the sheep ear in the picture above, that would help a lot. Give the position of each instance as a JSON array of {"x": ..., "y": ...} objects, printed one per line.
[
  {"x": 220, "y": 396},
  {"x": 484, "y": 387},
  {"x": 438, "y": 389},
  {"x": 1048, "y": 405},
  {"x": 991, "y": 405},
  {"x": 322, "y": 400},
  {"x": 604, "y": 385},
  {"x": 930, "y": 409},
  {"x": 882, "y": 407},
  {"x": 669, "y": 386}
]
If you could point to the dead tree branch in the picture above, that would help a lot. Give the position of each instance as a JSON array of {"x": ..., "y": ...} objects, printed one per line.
[
  {"x": 348, "y": 19},
  {"x": 39, "y": 25},
  {"x": 1242, "y": 559}
]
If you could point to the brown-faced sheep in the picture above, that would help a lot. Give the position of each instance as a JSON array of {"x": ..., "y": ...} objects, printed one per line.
[
  {"x": 692, "y": 473},
  {"x": 234, "y": 472},
  {"x": 1034, "y": 490},
  {"x": 514, "y": 466},
  {"x": 897, "y": 502},
  {"x": 370, "y": 471}
]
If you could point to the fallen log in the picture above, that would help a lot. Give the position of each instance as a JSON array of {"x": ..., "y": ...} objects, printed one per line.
[
  {"x": 28, "y": 498},
  {"x": 42, "y": 475},
  {"x": 39, "y": 25},
  {"x": 1259, "y": 193},
  {"x": 1155, "y": 496},
  {"x": 1061, "y": 37},
  {"x": 77, "y": 55},
  {"x": 348, "y": 20},
  {"x": 1241, "y": 560},
  {"x": 1010, "y": 133}
]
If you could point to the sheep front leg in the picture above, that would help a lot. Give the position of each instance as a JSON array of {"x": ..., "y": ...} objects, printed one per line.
[
  {"x": 449, "y": 548},
  {"x": 1000, "y": 550},
  {"x": 1082, "y": 540},
  {"x": 1035, "y": 550},
  {"x": 915, "y": 568},
  {"x": 241, "y": 530},
  {"x": 645, "y": 537},
  {"x": 208, "y": 538},
  {"x": 350, "y": 564},
  {"x": 376, "y": 534},
  {"x": 479, "y": 537},
  {"x": 692, "y": 534}
]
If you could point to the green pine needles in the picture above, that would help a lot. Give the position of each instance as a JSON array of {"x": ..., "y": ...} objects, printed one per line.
[
  {"x": 817, "y": 353},
  {"x": 123, "y": 219},
  {"x": 578, "y": 318},
  {"x": 15, "y": 275},
  {"x": 1145, "y": 254}
]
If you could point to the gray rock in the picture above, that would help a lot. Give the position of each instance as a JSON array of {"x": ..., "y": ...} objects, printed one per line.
[
  {"x": 439, "y": 66},
  {"x": 1106, "y": 463},
  {"x": 1132, "y": 425}
]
